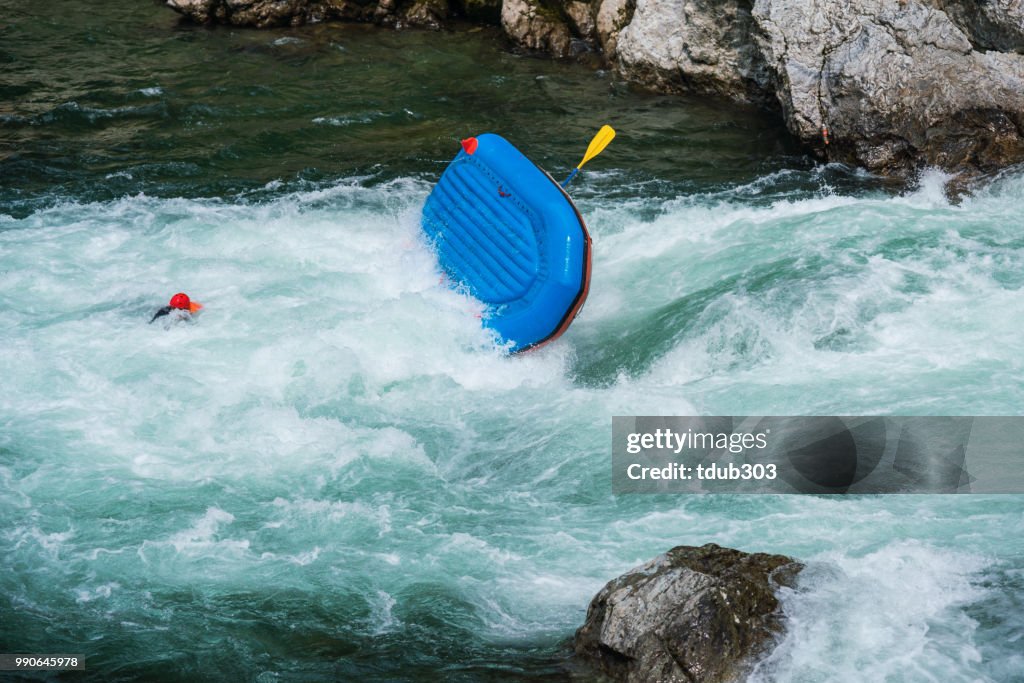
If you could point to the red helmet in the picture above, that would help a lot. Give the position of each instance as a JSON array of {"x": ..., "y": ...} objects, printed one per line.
[{"x": 180, "y": 300}]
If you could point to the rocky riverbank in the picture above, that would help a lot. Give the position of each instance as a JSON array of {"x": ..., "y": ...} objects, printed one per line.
[
  {"x": 889, "y": 85},
  {"x": 693, "y": 614}
]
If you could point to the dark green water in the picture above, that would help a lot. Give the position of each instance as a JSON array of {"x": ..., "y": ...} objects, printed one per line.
[
  {"x": 96, "y": 104},
  {"x": 335, "y": 476}
]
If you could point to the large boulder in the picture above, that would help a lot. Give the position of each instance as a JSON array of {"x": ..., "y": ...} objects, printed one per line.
[
  {"x": 536, "y": 25},
  {"x": 891, "y": 86},
  {"x": 991, "y": 25},
  {"x": 701, "y": 46},
  {"x": 427, "y": 13},
  {"x": 611, "y": 17},
  {"x": 692, "y": 615}
]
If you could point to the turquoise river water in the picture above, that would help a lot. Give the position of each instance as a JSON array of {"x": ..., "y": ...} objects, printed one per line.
[{"x": 335, "y": 475}]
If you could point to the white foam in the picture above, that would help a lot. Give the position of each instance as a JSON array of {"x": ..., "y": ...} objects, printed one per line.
[
  {"x": 383, "y": 620},
  {"x": 848, "y": 297},
  {"x": 100, "y": 592},
  {"x": 897, "y": 613},
  {"x": 338, "y": 416},
  {"x": 343, "y": 121}
]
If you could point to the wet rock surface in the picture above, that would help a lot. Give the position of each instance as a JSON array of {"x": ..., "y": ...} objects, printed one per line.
[
  {"x": 891, "y": 86},
  {"x": 692, "y": 615},
  {"x": 686, "y": 46},
  {"x": 990, "y": 25},
  {"x": 536, "y": 26}
]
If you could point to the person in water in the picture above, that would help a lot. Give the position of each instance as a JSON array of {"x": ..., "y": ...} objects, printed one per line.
[{"x": 180, "y": 308}]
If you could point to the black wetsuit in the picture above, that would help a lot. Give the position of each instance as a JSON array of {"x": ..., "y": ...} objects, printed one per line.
[{"x": 163, "y": 311}]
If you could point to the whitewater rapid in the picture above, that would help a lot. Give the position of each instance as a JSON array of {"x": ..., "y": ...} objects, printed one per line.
[{"x": 336, "y": 462}]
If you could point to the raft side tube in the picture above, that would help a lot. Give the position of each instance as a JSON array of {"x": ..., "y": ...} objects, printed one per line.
[{"x": 510, "y": 234}]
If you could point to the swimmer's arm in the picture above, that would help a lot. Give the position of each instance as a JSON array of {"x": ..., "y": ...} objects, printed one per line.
[{"x": 163, "y": 311}]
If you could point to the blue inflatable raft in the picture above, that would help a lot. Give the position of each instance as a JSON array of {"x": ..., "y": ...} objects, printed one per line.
[{"x": 508, "y": 233}]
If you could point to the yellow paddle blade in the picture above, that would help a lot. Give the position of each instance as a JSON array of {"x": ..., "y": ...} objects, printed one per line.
[{"x": 597, "y": 145}]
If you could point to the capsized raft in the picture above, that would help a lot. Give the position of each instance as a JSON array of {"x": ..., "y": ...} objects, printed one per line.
[{"x": 508, "y": 233}]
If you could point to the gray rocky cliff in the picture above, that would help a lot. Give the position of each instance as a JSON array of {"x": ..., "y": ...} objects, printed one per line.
[
  {"x": 686, "y": 46},
  {"x": 692, "y": 615},
  {"x": 536, "y": 26},
  {"x": 890, "y": 85},
  {"x": 990, "y": 24}
]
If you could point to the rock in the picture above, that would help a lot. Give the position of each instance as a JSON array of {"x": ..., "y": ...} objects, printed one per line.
[
  {"x": 536, "y": 26},
  {"x": 351, "y": 10},
  {"x": 691, "y": 615},
  {"x": 197, "y": 10},
  {"x": 701, "y": 46},
  {"x": 481, "y": 11},
  {"x": 888, "y": 85},
  {"x": 991, "y": 25},
  {"x": 581, "y": 15},
  {"x": 427, "y": 13},
  {"x": 891, "y": 87},
  {"x": 612, "y": 17},
  {"x": 258, "y": 13}
]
